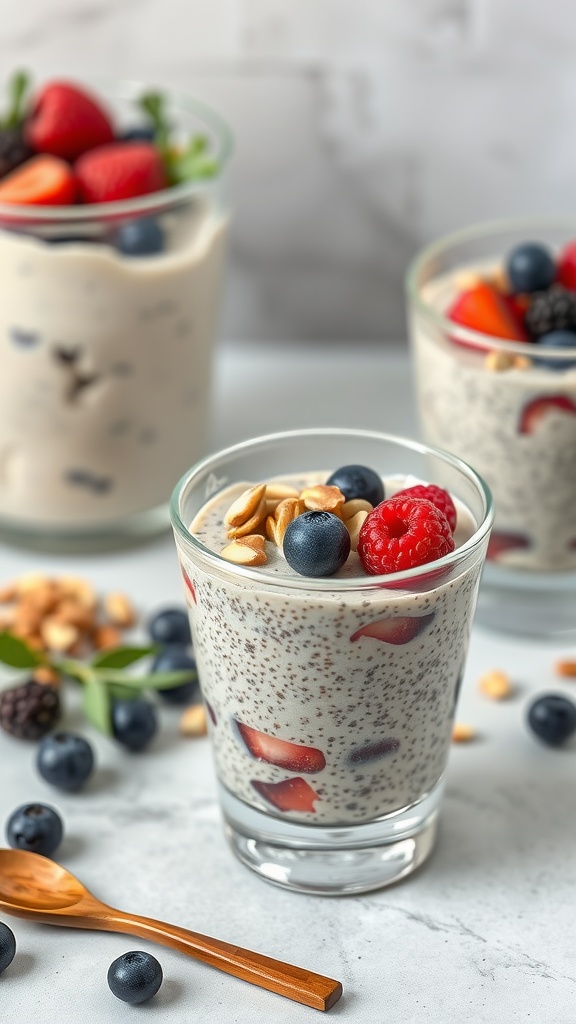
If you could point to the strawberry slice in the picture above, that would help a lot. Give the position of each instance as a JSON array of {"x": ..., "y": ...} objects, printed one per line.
[
  {"x": 566, "y": 271},
  {"x": 41, "y": 181},
  {"x": 121, "y": 170},
  {"x": 282, "y": 753},
  {"x": 373, "y": 751},
  {"x": 290, "y": 795},
  {"x": 396, "y": 631},
  {"x": 66, "y": 121},
  {"x": 211, "y": 712},
  {"x": 189, "y": 585},
  {"x": 501, "y": 541},
  {"x": 534, "y": 412},
  {"x": 482, "y": 308}
]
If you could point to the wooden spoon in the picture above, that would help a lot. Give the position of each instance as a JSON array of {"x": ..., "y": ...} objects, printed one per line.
[{"x": 35, "y": 887}]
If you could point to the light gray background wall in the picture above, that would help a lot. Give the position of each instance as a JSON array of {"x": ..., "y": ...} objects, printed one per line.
[{"x": 364, "y": 127}]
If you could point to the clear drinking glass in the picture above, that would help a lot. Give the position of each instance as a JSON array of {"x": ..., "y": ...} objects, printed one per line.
[
  {"x": 516, "y": 426},
  {"x": 106, "y": 357},
  {"x": 330, "y": 701}
]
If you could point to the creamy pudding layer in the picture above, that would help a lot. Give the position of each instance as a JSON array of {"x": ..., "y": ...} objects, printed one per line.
[
  {"x": 325, "y": 707},
  {"x": 105, "y": 371},
  {"x": 517, "y": 428}
]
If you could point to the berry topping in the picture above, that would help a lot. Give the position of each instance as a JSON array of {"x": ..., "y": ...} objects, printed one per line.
[
  {"x": 41, "y": 181},
  {"x": 121, "y": 170},
  {"x": 437, "y": 495},
  {"x": 554, "y": 310},
  {"x": 13, "y": 150},
  {"x": 398, "y": 631},
  {"x": 134, "y": 722},
  {"x": 558, "y": 339},
  {"x": 402, "y": 533},
  {"x": 66, "y": 121},
  {"x": 36, "y": 828},
  {"x": 290, "y": 795},
  {"x": 175, "y": 658},
  {"x": 65, "y": 760},
  {"x": 500, "y": 542},
  {"x": 135, "y": 977},
  {"x": 552, "y": 718},
  {"x": 316, "y": 544},
  {"x": 190, "y": 588},
  {"x": 143, "y": 237},
  {"x": 7, "y": 946},
  {"x": 30, "y": 710},
  {"x": 566, "y": 270},
  {"x": 535, "y": 411},
  {"x": 292, "y": 756},
  {"x": 170, "y": 626},
  {"x": 530, "y": 268},
  {"x": 482, "y": 308},
  {"x": 358, "y": 482}
]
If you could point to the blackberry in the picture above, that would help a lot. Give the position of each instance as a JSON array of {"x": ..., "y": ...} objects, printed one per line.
[
  {"x": 552, "y": 310},
  {"x": 13, "y": 150},
  {"x": 30, "y": 710}
]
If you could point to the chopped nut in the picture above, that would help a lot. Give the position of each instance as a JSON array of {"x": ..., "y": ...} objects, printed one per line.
[
  {"x": 46, "y": 676},
  {"x": 566, "y": 669},
  {"x": 79, "y": 589},
  {"x": 7, "y": 616},
  {"x": 44, "y": 598},
  {"x": 105, "y": 638},
  {"x": 256, "y": 541},
  {"x": 466, "y": 279},
  {"x": 119, "y": 610},
  {"x": 243, "y": 508},
  {"x": 498, "y": 361},
  {"x": 252, "y": 524},
  {"x": 350, "y": 508},
  {"x": 243, "y": 554},
  {"x": 498, "y": 278},
  {"x": 271, "y": 529},
  {"x": 323, "y": 498},
  {"x": 462, "y": 733},
  {"x": 288, "y": 509},
  {"x": 8, "y": 593},
  {"x": 278, "y": 491},
  {"x": 522, "y": 363},
  {"x": 495, "y": 684},
  {"x": 72, "y": 613},
  {"x": 58, "y": 636},
  {"x": 31, "y": 581},
  {"x": 193, "y": 721},
  {"x": 354, "y": 525}
]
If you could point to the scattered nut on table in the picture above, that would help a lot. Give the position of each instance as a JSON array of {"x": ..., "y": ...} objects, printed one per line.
[
  {"x": 462, "y": 733},
  {"x": 193, "y": 721},
  {"x": 496, "y": 684}
]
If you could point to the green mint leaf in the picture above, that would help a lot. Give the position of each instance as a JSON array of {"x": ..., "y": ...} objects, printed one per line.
[
  {"x": 17, "y": 91},
  {"x": 154, "y": 106},
  {"x": 192, "y": 163},
  {"x": 17, "y": 654},
  {"x": 121, "y": 657},
  {"x": 118, "y": 692},
  {"x": 97, "y": 705},
  {"x": 154, "y": 681}
]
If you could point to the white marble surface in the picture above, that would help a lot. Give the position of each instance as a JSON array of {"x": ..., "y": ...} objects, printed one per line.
[{"x": 483, "y": 933}]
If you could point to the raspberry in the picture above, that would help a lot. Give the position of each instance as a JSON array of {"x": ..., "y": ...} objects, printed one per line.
[
  {"x": 402, "y": 533},
  {"x": 437, "y": 495}
]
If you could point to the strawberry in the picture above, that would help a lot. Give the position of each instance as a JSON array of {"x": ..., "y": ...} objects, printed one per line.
[
  {"x": 189, "y": 585},
  {"x": 121, "y": 170},
  {"x": 66, "y": 121},
  {"x": 501, "y": 541},
  {"x": 292, "y": 756},
  {"x": 533, "y": 413},
  {"x": 398, "y": 631},
  {"x": 566, "y": 270},
  {"x": 482, "y": 308},
  {"x": 290, "y": 795},
  {"x": 41, "y": 181}
]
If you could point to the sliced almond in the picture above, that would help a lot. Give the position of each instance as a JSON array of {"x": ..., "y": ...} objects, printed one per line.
[
  {"x": 354, "y": 525},
  {"x": 193, "y": 721},
  {"x": 256, "y": 541},
  {"x": 243, "y": 554},
  {"x": 323, "y": 498},
  {"x": 466, "y": 279},
  {"x": 119, "y": 610},
  {"x": 350, "y": 508},
  {"x": 498, "y": 361},
  {"x": 8, "y": 592},
  {"x": 106, "y": 638},
  {"x": 288, "y": 510},
  {"x": 496, "y": 685},
  {"x": 462, "y": 733},
  {"x": 57, "y": 635},
  {"x": 72, "y": 613},
  {"x": 80, "y": 589},
  {"x": 278, "y": 491},
  {"x": 31, "y": 581},
  {"x": 252, "y": 524},
  {"x": 522, "y": 363},
  {"x": 271, "y": 529},
  {"x": 243, "y": 508}
]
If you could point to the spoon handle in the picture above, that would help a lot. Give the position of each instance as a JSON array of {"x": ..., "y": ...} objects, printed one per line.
[{"x": 286, "y": 980}]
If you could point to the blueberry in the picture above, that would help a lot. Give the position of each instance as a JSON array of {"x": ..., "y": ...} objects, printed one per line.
[
  {"x": 7, "y": 946},
  {"x": 552, "y": 718},
  {"x": 135, "y": 977},
  {"x": 176, "y": 659},
  {"x": 65, "y": 760},
  {"x": 138, "y": 133},
  {"x": 558, "y": 339},
  {"x": 134, "y": 722},
  {"x": 35, "y": 827},
  {"x": 530, "y": 268},
  {"x": 358, "y": 482},
  {"x": 143, "y": 237},
  {"x": 316, "y": 544},
  {"x": 170, "y": 626}
]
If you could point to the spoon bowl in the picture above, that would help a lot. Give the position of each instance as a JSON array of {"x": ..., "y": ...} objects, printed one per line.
[{"x": 37, "y": 884}]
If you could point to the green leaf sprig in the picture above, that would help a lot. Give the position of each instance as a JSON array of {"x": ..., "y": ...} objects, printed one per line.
[
  {"x": 192, "y": 162},
  {"x": 18, "y": 87},
  {"x": 103, "y": 677}
]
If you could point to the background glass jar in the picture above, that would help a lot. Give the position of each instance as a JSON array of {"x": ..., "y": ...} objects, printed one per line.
[{"x": 105, "y": 352}]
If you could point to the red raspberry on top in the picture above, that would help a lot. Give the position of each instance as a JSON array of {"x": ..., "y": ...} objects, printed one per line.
[
  {"x": 437, "y": 495},
  {"x": 402, "y": 533}
]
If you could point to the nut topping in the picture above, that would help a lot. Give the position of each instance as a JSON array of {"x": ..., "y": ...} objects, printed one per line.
[
  {"x": 243, "y": 508},
  {"x": 323, "y": 498},
  {"x": 243, "y": 554}
]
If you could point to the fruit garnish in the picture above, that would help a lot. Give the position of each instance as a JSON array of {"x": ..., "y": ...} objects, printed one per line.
[
  {"x": 558, "y": 339},
  {"x": 358, "y": 482},
  {"x": 67, "y": 121},
  {"x": 552, "y": 718},
  {"x": 397, "y": 630},
  {"x": 142, "y": 237},
  {"x": 403, "y": 533},
  {"x": 316, "y": 544},
  {"x": 482, "y": 308},
  {"x": 290, "y": 795},
  {"x": 65, "y": 761},
  {"x": 437, "y": 495},
  {"x": 120, "y": 170},
  {"x": 190, "y": 162},
  {"x": 13, "y": 149},
  {"x": 284, "y": 754},
  {"x": 29, "y": 710},
  {"x": 530, "y": 267},
  {"x": 37, "y": 828},
  {"x": 7, "y": 946},
  {"x": 566, "y": 269},
  {"x": 535, "y": 411},
  {"x": 501, "y": 541},
  {"x": 554, "y": 310},
  {"x": 135, "y": 977},
  {"x": 40, "y": 181}
]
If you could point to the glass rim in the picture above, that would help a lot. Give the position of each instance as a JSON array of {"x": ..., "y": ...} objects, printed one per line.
[
  {"x": 331, "y": 584},
  {"x": 128, "y": 88},
  {"x": 467, "y": 335}
]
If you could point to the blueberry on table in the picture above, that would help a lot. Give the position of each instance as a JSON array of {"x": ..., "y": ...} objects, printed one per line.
[
  {"x": 558, "y": 339},
  {"x": 134, "y": 722},
  {"x": 552, "y": 718},
  {"x": 316, "y": 544},
  {"x": 37, "y": 828},
  {"x": 135, "y": 976},
  {"x": 175, "y": 658},
  {"x": 170, "y": 626},
  {"x": 358, "y": 482},
  {"x": 7, "y": 946},
  {"x": 65, "y": 760},
  {"x": 143, "y": 237},
  {"x": 530, "y": 268}
]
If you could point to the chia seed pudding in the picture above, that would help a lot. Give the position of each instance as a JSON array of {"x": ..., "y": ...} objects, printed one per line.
[{"x": 328, "y": 707}]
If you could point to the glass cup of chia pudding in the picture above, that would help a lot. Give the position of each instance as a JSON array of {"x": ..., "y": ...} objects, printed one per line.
[
  {"x": 493, "y": 326},
  {"x": 330, "y": 688},
  {"x": 107, "y": 323}
]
